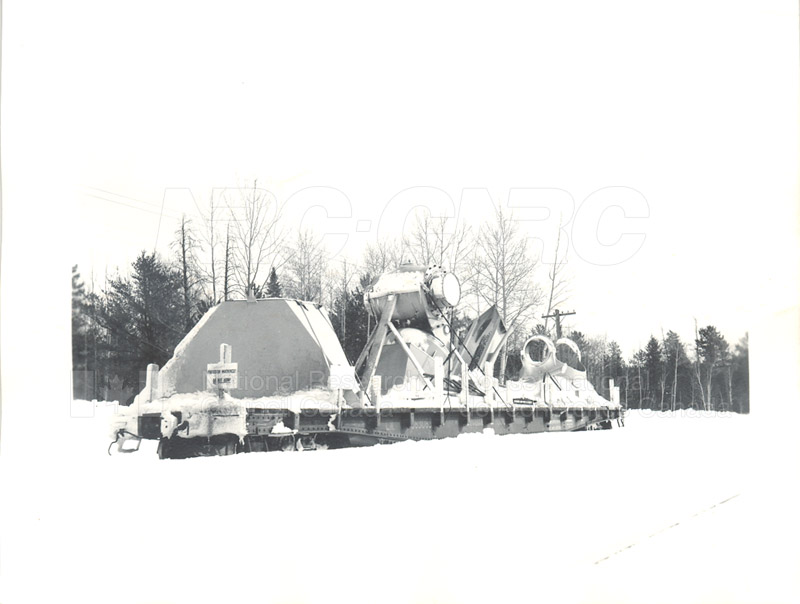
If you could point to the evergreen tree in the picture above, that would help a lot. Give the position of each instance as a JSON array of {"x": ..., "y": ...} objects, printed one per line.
[
  {"x": 79, "y": 321},
  {"x": 540, "y": 330},
  {"x": 712, "y": 349},
  {"x": 514, "y": 342},
  {"x": 741, "y": 377},
  {"x": 274, "y": 289},
  {"x": 144, "y": 316},
  {"x": 356, "y": 318},
  {"x": 615, "y": 368},
  {"x": 83, "y": 383},
  {"x": 203, "y": 306},
  {"x": 653, "y": 365},
  {"x": 89, "y": 362},
  {"x": 677, "y": 370},
  {"x": 637, "y": 389}
]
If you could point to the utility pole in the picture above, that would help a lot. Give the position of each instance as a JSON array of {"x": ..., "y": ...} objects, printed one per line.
[{"x": 557, "y": 316}]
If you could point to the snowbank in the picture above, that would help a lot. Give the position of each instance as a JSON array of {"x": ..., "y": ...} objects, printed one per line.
[{"x": 670, "y": 508}]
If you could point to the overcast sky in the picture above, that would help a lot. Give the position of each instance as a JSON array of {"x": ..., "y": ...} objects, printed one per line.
[{"x": 683, "y": 113}]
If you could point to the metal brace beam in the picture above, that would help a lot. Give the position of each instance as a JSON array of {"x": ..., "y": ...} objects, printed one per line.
[
  {"x": 375, "y": 346},
  {"x": 411, "y": 357}
]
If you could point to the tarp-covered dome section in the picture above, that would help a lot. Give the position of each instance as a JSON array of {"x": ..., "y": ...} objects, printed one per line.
[{"x": 281, "y": 346}]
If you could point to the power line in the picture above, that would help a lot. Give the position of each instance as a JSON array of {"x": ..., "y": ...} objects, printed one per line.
[
  {"x": 200, "y": 213},
  {"x": 158, "y": 230},
  {"x": 149, "y": 203},
  {"x": 127, "y": 205}
]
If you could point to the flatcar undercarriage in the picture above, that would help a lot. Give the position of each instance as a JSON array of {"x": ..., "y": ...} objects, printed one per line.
[{"x": 311, "y": 430}]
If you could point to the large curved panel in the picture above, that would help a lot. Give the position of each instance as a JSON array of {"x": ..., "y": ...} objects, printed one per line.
[
  {"x": 280, "y": 346},
  {"x": 571, "y": 345}
]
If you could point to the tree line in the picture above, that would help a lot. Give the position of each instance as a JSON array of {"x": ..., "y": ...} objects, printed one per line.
[
  {"x": 670, "y": 374},
  {"x": 244, "y": 247}
]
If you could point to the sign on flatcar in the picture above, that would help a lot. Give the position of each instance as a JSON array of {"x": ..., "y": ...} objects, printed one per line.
[{"x": 222, "y": 376}]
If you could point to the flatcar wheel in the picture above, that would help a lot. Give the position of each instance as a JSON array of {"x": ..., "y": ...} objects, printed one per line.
[
  {"x": 228, "y": 447},
  {"x": 223, "y": 444},
  {"x": 206, "y": 449},
  {"x": 287, "y": 443},
  {"x": 164, "y": 448}
]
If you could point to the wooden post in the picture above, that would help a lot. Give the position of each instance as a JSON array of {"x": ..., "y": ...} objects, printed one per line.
[
  {"x": 489, "y": 381},
  {"x": 151, "y": 383},
  {"x": 375, "y": 387},
  {"x": 438, "y": 382},
  {"x": 557, "y": 316},
  {"x": 489, "y": 389},
  {"x": 613, "y": 392},
  {"x": 465, "y": 388}
]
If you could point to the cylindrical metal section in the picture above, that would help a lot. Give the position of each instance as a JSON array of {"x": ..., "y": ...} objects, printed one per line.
[{"x": 445, "y": 289}]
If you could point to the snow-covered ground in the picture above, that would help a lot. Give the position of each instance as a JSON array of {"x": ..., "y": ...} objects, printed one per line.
[{"x": 672, "y": 508}]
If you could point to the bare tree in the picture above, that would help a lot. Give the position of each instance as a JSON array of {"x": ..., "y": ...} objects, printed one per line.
[
  {"x": 595, "y": 360},
  {"x": 501, "y": 274},
  {"x": 438, "y": 240},
  {"x": 227, "y": 265},
  {"x": 186, "y": 246},
  {"x": 257, "y": 238},
  {"x": 382, "y": 256},
  {"x": 210, "y": 238},
  {"x": 307, "y": 266}
]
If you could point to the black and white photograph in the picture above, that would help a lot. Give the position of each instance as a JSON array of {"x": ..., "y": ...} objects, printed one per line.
[{"x": 422, "y": 303}]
